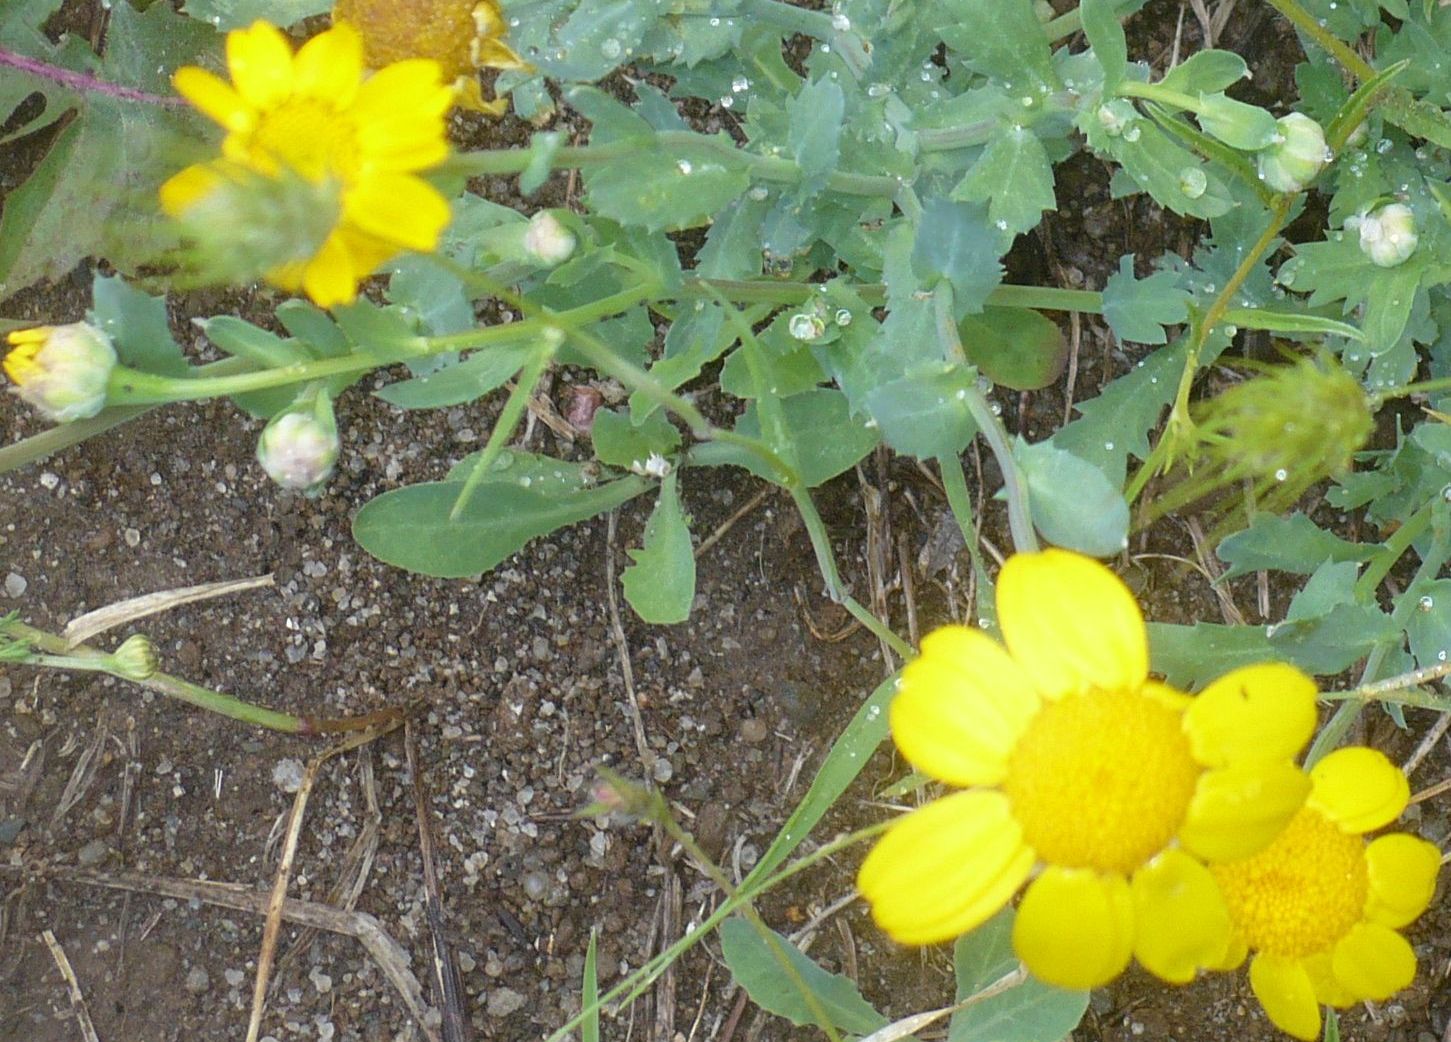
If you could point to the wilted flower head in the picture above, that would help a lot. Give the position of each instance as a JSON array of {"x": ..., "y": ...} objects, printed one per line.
[
  {"x": 299, "y": 447},
  {"x": 61, "y": 370},
  {"x": 463, "y": 36},
  {"x": 312, "y": 116},
  {"x": 1293, "y": 161}
]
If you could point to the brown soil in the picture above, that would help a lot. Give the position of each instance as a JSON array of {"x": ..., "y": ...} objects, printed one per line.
[{"x": 525, "y": 694}]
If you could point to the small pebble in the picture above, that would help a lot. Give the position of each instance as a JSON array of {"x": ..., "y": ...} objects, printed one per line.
[
  {"x": 132, "y": 537},
  {"x": 536, "y": 885},
  {"x": 753, "y": 730},
  {"x": 287, "y": 775},
  {"x": 321, "y": 981},
  {"x": 93, "y": 852},
  {"x": 504, "y": 1001},
  {"x": 234, "y": 978},
  {"x": 197, "y": 980},
  {"x": 15, "y": 585}
]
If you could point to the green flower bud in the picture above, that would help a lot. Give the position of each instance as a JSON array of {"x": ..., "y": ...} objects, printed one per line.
[
  {"x": 547, "y": 241},
  {"x": 1293, "y": 161},
  {"x": 300, "y": 445},
  {"x": 135, "y": 659},
  {"x": 1388, "y": 235},
  {"x": 61, "y": 370},
  {"x": 1116, "y": 116}
]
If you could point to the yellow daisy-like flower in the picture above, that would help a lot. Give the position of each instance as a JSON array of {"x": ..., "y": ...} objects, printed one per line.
[
  {"x": 1320, "y": 906},
  {"x": 1108, "y": 789},
  {"x": 463, "y": 36},
  {"x": 313, "y": 115}
]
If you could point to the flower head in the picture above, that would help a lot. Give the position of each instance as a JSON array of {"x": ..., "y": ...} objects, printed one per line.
[
  {"x": 1387, "y": 235},
  {"x": 1108, "y": 789},
  {"x": 463, "y": 36},
  {"x": 1320, "y": 906},
  {"x": 299, "y": 447},
  {"x": 136, "y": 658},
  {"x": 61, "y": 370},
  {"x": 312, "y": 115},
  {"x": 1297, "y": 156}
]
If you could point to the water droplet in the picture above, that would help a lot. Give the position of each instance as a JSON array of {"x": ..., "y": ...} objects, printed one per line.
[
  {"x": 1426, "y": 603},
  {"x": 684, "y": 166},
  {"x": 1384, "y": 145},
  {"x": 843, "y": 317},
  {"x": 841, "y": 23},
  {"x": 1108, "y": 446},
  {"x": 1441, "y": 655},
  {"x": 610, "y": 48},
  {"x": 806, "y": 326},
  {"x": 757, "y": 193},
  {"x": 1193, "y": 182},
  {"x": 740, "y": 83},
  {"x": 1281, "y": 474},
  {"x": 996, "y": 408},
  {"x": 727, "y": 101},
  {"x": 1132, "y": 133}
]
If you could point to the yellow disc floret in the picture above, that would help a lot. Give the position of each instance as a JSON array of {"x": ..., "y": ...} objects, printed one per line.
[{"x": 1102, "y": 780}]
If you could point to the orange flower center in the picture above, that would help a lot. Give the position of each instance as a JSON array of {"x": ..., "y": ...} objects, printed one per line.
[
  {"x": 1102, "y": 780},
  {"x": 1300, "y": 894}
]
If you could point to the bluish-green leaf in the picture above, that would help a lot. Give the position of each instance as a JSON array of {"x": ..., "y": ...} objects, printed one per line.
[
  {"x": 1072, "y": 502},
  {"x": 924, "y": 412},
  {"x": 1005, "y": 40},
  {"x": 238, "y": 14},
  {"x": 1015, "y": 347},
  {"x": 1031, "y": 1012},
  {"x": 660, "y": 585},
  {"x": 464, "y": 381},
  {"x": 1429, "y": 625},
  {"x": 824, "y": 438},
  {"x": 1205, "y": 72},
  {"x": 956, "y": 241},
  {"x": 410, "y": 527},
  {"x": 621, "y": 443},
  {"x": 1292, "y": 544},
  {"x": 136, "y": 323},
  {"x": 666, "y": 190},
  {"x": 1106, "y": 37},
  {"x": 755, "y": 968},
  {"x": 814, "y": 135},
  {"x": 1138, "y": 309},
  {"x": 1014, "y": 177}
]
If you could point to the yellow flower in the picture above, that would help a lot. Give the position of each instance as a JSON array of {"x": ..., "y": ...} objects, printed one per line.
[
  {"x": 1320, "y": 907},
  {"x": 461, "y": 35},
  {"x": 1109, "y": 789},
  {"x": 313, "y": 115},
  {"x": 63, "y": 371}
]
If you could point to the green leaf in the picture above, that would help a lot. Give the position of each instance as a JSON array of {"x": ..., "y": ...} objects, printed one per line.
[
  {"x": 621, "y": 443},
  {"x": 1116, "y": 424},
  {"x": 464, "y": 381},
  {"x": 1106, "y": 37},
  {"x": 589, "y": 1030},
  {"x": 666, "y": 190},
  {"x": 924, "y": 412},
  {"x": 1245, "y": 127},
  {"x": 824, "y": 438},
  {"x": 238, "y": 14},
  {"x": 1072, "y": 502},
  {"x": 1429, "y": 626},
  {"x": 94, "y": 192},
  {"x": 136, "y": 323},
  {"x": 1206, "y": 71},
  {"x": 1015, "y": 347},
  {"x": 1005, "y": 41},
  {"x": 814, "y": 135},
  {"x": 1138, "y": 309},
  {"x": 1031, "y": 1012},
  {"x": 381, "y": 332},
  {"x": 756, "y": 968},
  {"x": 1288, "y": 544},
  {"x": 660, "y": 585},
  {"x": 1154, "y": 162},
  {"x": 1014, "y": 177},
  {"x": 410, "y": 527},
  {"x": 244, "y": 340},
  {"x": 1290, "y": 322},
  {"x": 547, "y": 475},
  {"x": 955, "y": 241}
]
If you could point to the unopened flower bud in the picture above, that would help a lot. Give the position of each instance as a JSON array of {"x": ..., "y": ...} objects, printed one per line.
[
  {"x": 1293, "y": 161},
  {"x": 61, "y": 370},
  {"x": 135, "y": 659},
  {"x": 1388, "y": 235},
  {"x": 300, "y": 445},
  {"x": 1114, "y": 116},
  {"x": 611, "y": 793},
  {"x": 548, "y": 241}
]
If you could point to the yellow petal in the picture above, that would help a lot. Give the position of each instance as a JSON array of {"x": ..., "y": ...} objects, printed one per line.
[
  {"x": 1373, "y": 962},
  {"x": 960, "y": 707},
  {"x": 184, "y": 188},
  {"x": 945, "y": 868},
  {"x": 367, "y": 251},
  {"x": 1284, "y": 990},
  {"x": 214, "y": 98},
  {"x": 1403, "y": 870},
  {"x": 330, "y": 66},
  {"x": 1181, "y": 922},
  {"x": 1234, "y": 954},
  {"x": 408, "y": 90},
  {"x": 1328, "y": 990},
  {"x": 1071, "y": 623},
  {"x": 1237, "y": 811},
  {"x": 1254, "y": 714},
  {"x": 1359, "y": 789},
  {"x": 260, "y": 61},
  {"x": 1075, "y": 927},
  {"x": 400, "y": 208},
  {"x": 330, "y": 278}
]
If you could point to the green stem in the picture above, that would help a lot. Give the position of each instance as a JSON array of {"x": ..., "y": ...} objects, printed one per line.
[
  {"x": 1158, "y": 92},
  {"x": 1038, "y": 298},
  {"x": 505, "y": 425},
  {"x": 1068, "y": 24},
  {"x": 133, "y": 387},
  {"x": 1020, "y": 518},
  {"x": 959, "y": 501},
  {"x": 1311, "y": 27},
  {"x": 1441, "y": 383}
]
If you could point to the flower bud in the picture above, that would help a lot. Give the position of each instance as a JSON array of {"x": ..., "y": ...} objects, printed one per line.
[
  {"x": 1388, "y": 235},
  {"x": 300, "y": 445},
  {"x": 61, "y": 370},
  {"x": 135, "y": 659},
  {"x": 1293, "y": 161},
  {"x": 612, "y": 793},
  {"x": 1117, "y": 115},
  {"x": 548, "y": 241}
]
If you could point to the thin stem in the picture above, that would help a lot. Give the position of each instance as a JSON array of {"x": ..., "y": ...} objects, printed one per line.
[
  {"x": 83, "y": 82},
  {"x": 1157, "y": 92},
  {"x": 1379, "y": 398},
  {"x": 1068, "y": 24},
  {"x": 1038, "y": 298},
  {"x": 959, "y": 501},
  {"x": 1020, "y": 518},
  {"x": 1311, "y": 27},
  {"x": 505, "y": 425}
]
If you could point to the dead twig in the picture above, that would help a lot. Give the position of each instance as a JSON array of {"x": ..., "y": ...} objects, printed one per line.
[
  {"x": 730, "y": 522},
  {"x": 362, "y": 927},
  {"x": 73, "y": 986},
  {"x": 617, "y": 630},
  {"x": 83, "y": 774},
  {"x": 93, "y": 623},
  {"x": 445, "y": 969}
]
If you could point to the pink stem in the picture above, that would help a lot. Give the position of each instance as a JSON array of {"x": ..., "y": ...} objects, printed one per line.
[{"x": 80, "y": 81}]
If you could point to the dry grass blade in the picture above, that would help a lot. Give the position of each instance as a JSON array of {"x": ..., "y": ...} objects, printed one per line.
[
  {"x": 445, "y": 970},
  {"x": 73, "y": 986},
  {"x": 275, "y": 902},
  {"x": 83, "y": 627},
  {"x": 84, "y": 772},
  {"x": 360, "y": 926},
  {"x": 617, "y": 630}
]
